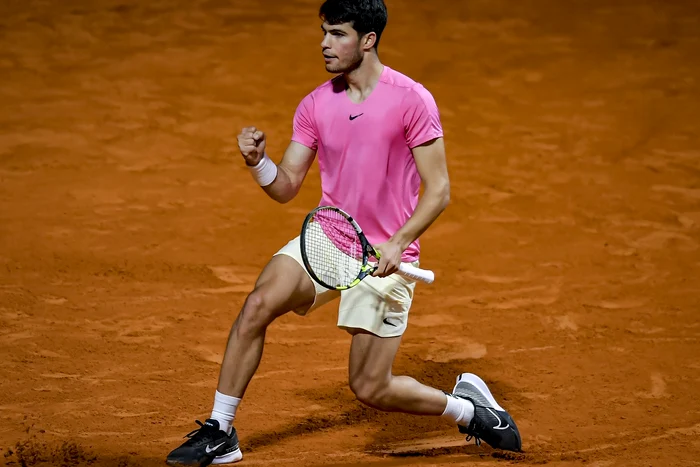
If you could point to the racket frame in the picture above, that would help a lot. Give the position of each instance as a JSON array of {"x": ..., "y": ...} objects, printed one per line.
[{"x": 368, "y": 250}]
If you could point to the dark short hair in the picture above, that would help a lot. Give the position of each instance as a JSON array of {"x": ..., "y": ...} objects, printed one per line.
[{"x": 364, "y": 15}]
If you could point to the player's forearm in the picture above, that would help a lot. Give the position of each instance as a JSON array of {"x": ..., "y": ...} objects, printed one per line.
[
  {"x": 434, "y": 200},
  {"x": 283, "y": 189},
  {"x": 283, "y": 181}
]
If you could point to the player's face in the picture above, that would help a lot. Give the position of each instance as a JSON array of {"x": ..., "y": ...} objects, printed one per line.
[{"x": 340, "y": 47}]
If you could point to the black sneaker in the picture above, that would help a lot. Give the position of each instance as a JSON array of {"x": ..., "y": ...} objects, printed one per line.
[
  {"x": 491, "y": 422},
  {"x": 207, "y": 445}
]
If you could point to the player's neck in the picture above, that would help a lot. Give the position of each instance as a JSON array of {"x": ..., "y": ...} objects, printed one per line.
[{"x": 362, "y": 80}]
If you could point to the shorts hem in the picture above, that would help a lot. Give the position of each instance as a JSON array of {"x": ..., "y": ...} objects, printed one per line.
[{"x": 379, "y": 329}]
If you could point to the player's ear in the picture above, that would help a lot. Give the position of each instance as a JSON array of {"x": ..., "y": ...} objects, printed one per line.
[{"x": 368, "y": 41}]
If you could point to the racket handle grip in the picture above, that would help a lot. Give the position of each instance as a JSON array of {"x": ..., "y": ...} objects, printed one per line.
[{"x": 411, "y": 272}]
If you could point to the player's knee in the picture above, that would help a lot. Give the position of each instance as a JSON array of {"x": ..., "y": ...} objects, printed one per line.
[
  {"x": 370, "y": 392},
  {"x": 255, "y": 315}
]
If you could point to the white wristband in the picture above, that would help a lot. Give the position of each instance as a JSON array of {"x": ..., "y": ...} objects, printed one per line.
[{"x": 265, "y": 172}]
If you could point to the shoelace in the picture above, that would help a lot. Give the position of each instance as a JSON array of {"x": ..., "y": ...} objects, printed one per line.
[
  {"x": 476, "y": 439},
  {"x": 192, "y": 433},
  {"x": 475, "y": 426}
]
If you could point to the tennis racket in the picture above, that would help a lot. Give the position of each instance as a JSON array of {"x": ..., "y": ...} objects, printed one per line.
[{"x": 336, "y": 252}]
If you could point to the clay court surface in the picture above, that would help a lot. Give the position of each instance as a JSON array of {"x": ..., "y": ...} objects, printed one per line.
[{"x": 130, "y": 231}]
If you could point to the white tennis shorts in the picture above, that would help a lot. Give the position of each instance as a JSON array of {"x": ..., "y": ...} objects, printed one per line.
[{"x": 379, "y": 305}]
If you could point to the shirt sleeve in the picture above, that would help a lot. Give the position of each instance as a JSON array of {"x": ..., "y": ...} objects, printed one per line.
[
  {"x": 421, "y": 117},
  {"x": 303, "y": 125}
]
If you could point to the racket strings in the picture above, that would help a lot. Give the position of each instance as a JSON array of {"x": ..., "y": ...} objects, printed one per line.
[{"x": 333, "y": 248}]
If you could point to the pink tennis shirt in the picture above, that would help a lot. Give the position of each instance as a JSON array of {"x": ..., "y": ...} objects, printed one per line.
[{"x": 364, "y": 150}]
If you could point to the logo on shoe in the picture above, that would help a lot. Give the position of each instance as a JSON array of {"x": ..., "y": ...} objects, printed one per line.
[
  {"x": 500, "y": 422},
  {"x": 210, "y": 449}
]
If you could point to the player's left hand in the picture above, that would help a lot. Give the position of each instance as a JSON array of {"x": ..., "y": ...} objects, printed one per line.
[{"x": 390, "y": 258}]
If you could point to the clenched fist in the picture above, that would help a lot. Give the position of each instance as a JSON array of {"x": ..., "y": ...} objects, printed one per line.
[{"x": 251, "y": 143}]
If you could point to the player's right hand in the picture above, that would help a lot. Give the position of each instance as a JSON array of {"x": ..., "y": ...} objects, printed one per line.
[{"x": 251, "y": 143}]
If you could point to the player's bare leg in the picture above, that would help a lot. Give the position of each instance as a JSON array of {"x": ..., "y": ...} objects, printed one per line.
[
  {"x": 471, "y": 405},
  {"x": 371, "y": 379},
  {"x": 283, "y": 285}
]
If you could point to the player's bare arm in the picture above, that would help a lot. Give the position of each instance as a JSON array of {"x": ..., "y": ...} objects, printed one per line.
[
  {"x": 291, "y": 172},
  {"x": 281, "y": 183},
  {"x": 432, "y": 166}
]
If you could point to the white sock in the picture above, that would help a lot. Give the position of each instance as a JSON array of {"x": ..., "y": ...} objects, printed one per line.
[
  {"x": 459, "y": 411},
  {"x": 224, "y": 410}
]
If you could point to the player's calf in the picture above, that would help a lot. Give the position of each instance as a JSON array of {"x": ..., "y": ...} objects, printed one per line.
[{"x": 372, "y": 393}]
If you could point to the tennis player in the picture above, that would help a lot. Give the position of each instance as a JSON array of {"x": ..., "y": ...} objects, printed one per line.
[{"x": 378, "y": 136}]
